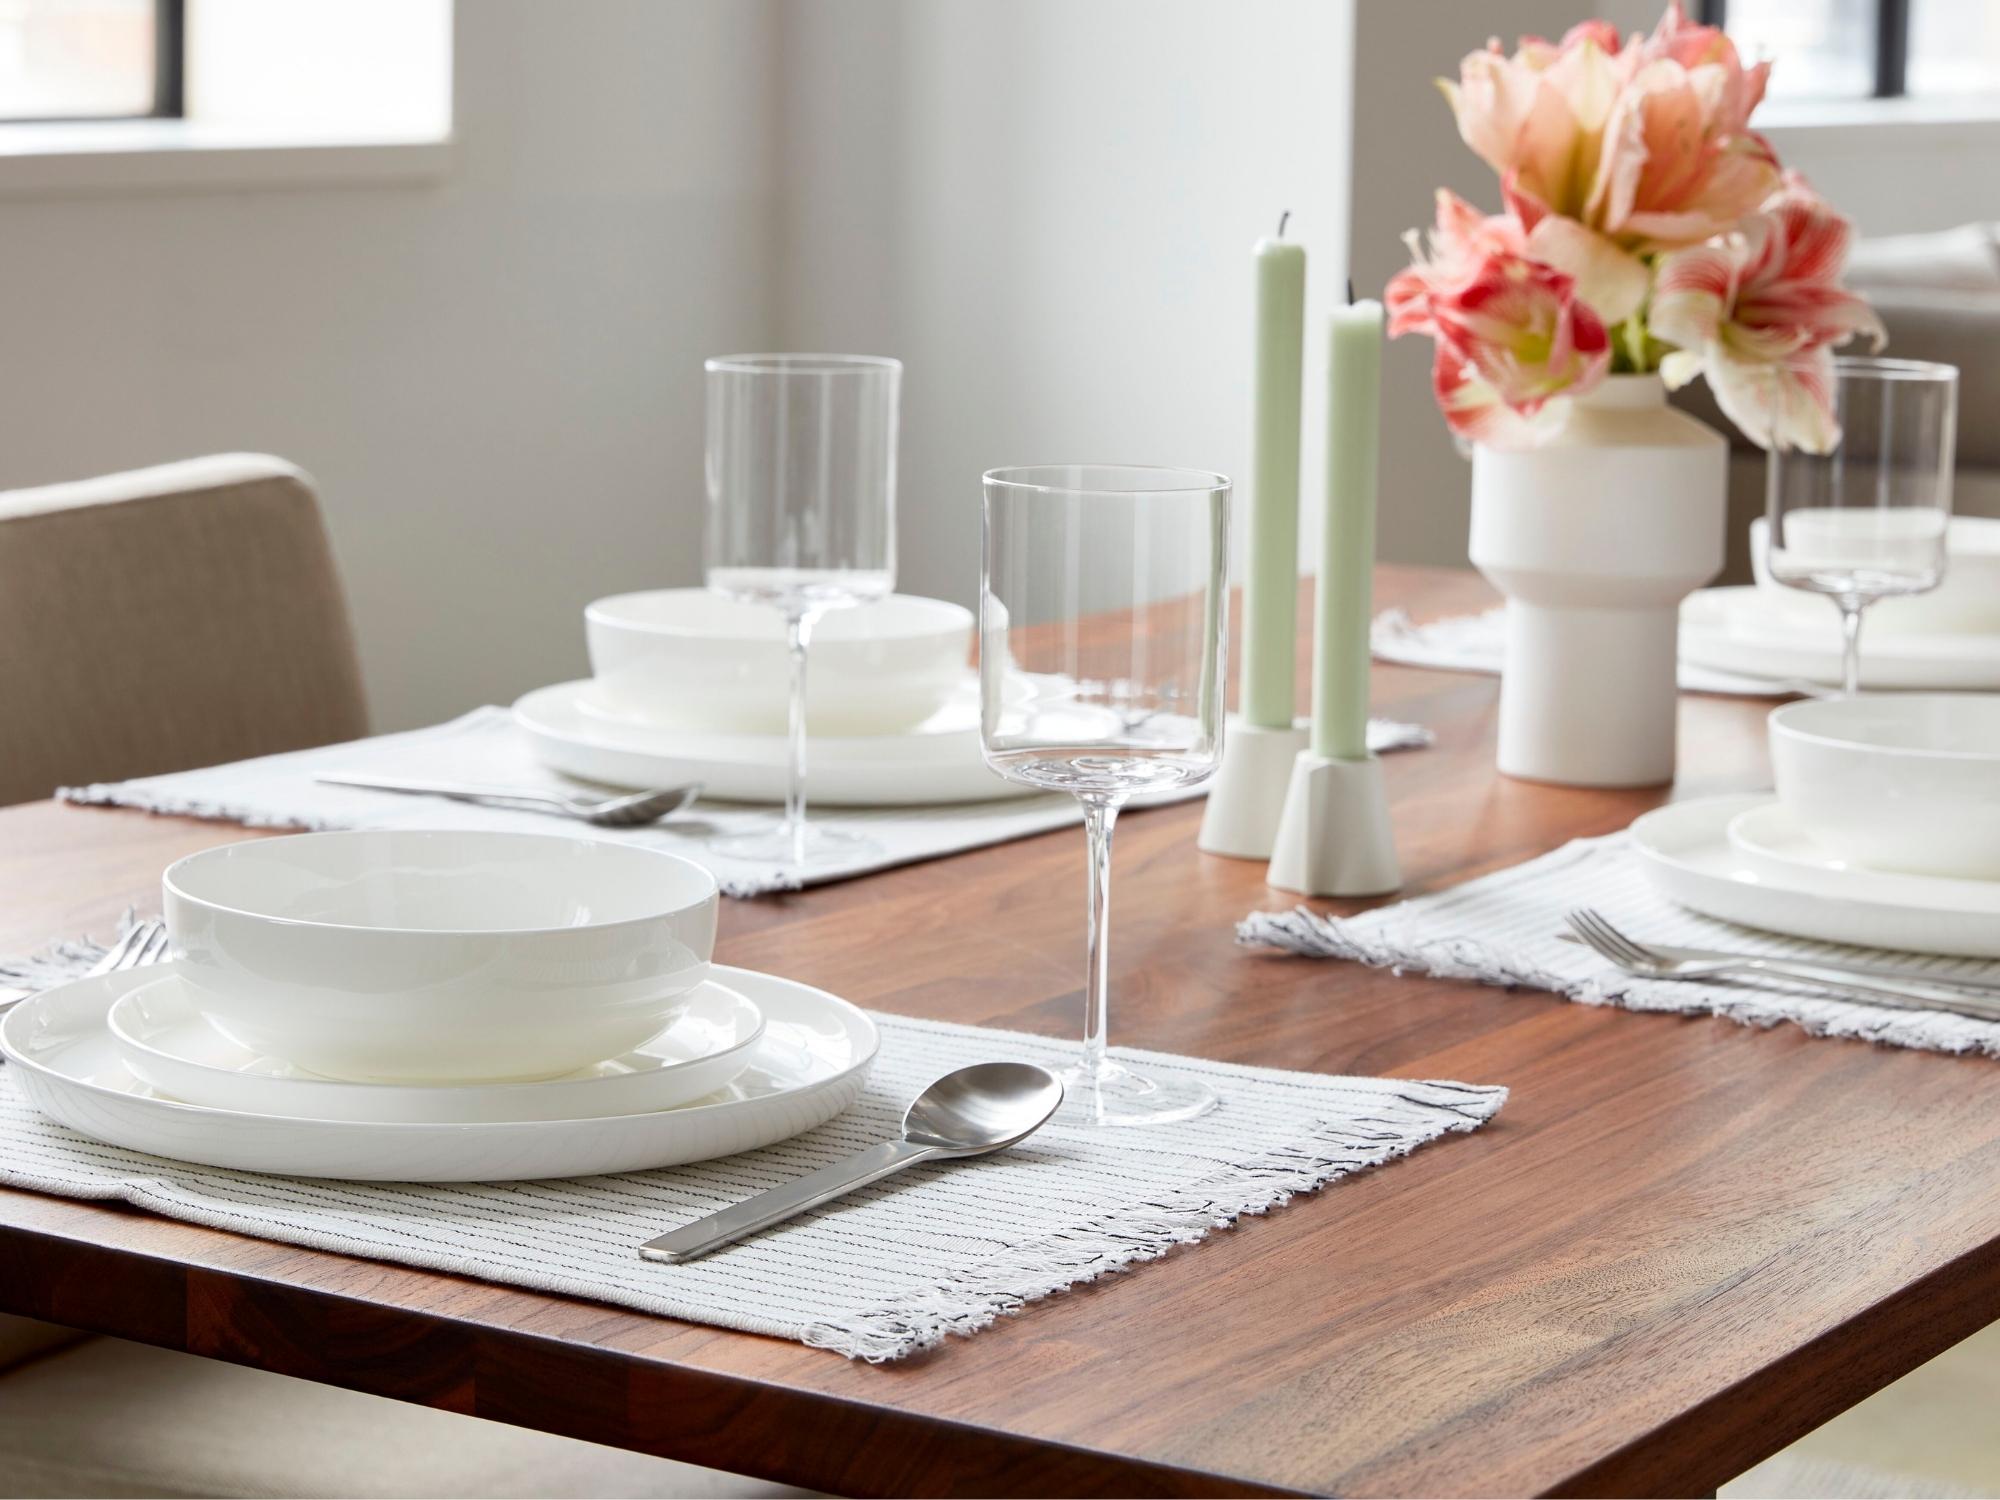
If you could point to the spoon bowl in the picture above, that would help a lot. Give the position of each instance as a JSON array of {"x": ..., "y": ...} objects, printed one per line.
[{"x": 986, "y": 1107}]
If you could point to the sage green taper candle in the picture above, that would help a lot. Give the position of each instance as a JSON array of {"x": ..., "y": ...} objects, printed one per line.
[
  {"x": 1271, "y": 578},
  {"x": 1347, "y": 556}
]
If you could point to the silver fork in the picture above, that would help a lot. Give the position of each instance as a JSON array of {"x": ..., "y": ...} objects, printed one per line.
[
  {"x": 1852, "y": 968},
  {"x": 1638, "y": 959},
  {"x": 146, "y": 943}
]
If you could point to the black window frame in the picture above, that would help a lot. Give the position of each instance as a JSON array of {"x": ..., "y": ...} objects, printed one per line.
[
  {"x": 169, "y": 74},
  {"x": 1892, "y": 42}
]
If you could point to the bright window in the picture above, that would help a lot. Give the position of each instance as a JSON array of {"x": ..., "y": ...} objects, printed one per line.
[
  {"x": 89, "y": 59},
  {"x": 1862, "y": 49}
]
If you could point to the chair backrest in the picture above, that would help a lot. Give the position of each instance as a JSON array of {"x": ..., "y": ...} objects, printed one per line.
[{"x": 167, "y": 618}]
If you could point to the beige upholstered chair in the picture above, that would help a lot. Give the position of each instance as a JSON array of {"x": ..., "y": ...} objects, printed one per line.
[
  {"x": 171, "y": 617},
  {"x": 153, "y": 621}
]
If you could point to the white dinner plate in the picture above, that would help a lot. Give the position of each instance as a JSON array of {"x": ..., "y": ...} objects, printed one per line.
[
  {"x": 937, "y": 761},
  {"x": 1738, "y": 630},
  {"x": 169, "y": 1045},
  {"x": 1685, "y": 852},
  {"x": 810, "y": 1064},
  {"x": 1773, "y": 845}
]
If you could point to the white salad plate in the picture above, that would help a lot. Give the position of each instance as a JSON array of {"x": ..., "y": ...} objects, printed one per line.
[
  {"x": 166, "y": 1043},
  {"x": 810, "y": 1064},
  {"x": 1739, "y": 630},
  {"x": 938, "y": 760},
  {"x": 1773, "y": 845},
  {"x": 1685, "y": 852}
]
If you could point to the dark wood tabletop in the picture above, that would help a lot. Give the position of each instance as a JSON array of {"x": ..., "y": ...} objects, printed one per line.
[{"x": 1681, "y": 1245}]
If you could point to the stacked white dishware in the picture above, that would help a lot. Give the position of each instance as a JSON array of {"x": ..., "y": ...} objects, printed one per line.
[
  {"x": 690, "y": 686},
  {"x": 1947, "y": 638},
  {"x": 438, "y": 1006},
  {"x": 1885, "y": 829}
]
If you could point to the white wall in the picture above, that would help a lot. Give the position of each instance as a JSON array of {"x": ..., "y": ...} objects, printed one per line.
[
  {"x": 496, "y": 378},
  {"x": 1406, "y": 146},
  {"x": 1046, "y": 208}
]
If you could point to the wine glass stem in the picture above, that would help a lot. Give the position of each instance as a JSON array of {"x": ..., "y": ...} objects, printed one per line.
[
  {"x": 1850, "y": 643},
  {"x": 798, "y": 637},
  {"x": 1098, "y": 817}
]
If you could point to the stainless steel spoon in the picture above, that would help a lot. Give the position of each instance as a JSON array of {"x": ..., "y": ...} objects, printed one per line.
[
  {"x": 973, "y": 1112},
  {"x": 628, "y": 810}
]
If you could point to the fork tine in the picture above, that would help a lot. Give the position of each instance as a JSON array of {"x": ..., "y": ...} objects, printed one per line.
[
  {"x": 1607, "y": 938},
  {"x": 1592, "y": 929},
  {"x": 148, "y": 935},
  {"x": 1637, "y": 951},
  {"x": 115, "y": 954},
  {"x": 156, "y": 946}
]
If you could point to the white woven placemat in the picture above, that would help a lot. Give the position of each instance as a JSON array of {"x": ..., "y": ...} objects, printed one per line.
[
  {"x": 1505, "y": 929},
  {"x": 1478, "y": 643},
  {"x": 278, "y": 791},
  {"x": 891, "y": 1269}
]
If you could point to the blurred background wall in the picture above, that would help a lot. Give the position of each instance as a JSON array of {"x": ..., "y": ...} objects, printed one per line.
[{"x": 1045, "y": 207}]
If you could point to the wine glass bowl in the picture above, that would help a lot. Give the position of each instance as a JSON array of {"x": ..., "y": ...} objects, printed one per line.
[
  {"x": 1102, "y": 613},
  {"x": 1867, "y": 518},
  {"x": 800, "y": 463}
]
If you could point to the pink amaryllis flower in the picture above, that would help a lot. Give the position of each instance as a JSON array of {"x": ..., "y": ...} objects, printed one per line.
[
  {"x": 1608, "y": 153},
  {"x": 1759, "y": 312},
  {"x": 1512, "y": 336}
]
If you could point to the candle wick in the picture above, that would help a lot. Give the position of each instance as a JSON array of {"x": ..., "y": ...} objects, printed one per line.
[
  {"x": 1283, "y": 218},
  {"x": 1350, "y": 291}
]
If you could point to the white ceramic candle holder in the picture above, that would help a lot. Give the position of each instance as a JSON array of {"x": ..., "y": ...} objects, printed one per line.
[
  {"x": 1334, "y": 837},
  {"x": 1248, "y": 793}
]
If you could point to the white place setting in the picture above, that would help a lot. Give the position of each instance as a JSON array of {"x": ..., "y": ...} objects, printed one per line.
[
  {"x": 1862, "y": 896},
  {"x": 795, "y": 673},
  {"x": 467, "y": 1015}
]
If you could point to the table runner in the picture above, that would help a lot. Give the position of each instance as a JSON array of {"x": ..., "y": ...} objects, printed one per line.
[
  {"x": 278, "y": 791},
  {"x": 889, "y": 1270},
  {"x": 1477, "y": 643},
  {"x": 1504, "y": 929}
]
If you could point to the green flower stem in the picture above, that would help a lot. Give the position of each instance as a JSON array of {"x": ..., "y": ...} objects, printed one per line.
[{"x": 1632, "y": 345}]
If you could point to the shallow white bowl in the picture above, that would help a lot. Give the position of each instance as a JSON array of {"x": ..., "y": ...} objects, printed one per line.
[
  {"x": 1903, "y": 781},
  {"x": 406, "y": 956},
  {"x": 690, "y": 659},
  {"x": 1778, "y": 852},
  {"x": 1965, "y": 602},
  {"x": 166, "y": 1043}
]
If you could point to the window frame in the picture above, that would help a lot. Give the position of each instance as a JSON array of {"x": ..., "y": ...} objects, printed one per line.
[
  {"x": 1892, "y": 43},
  {"x": 169, "y": 74}
]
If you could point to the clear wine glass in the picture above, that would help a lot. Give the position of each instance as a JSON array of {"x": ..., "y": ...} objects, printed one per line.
[
  {"x": 801, "y": 469},
  {"x": 1866, "y": 520},
  {"x": 1101, "y": 628}
]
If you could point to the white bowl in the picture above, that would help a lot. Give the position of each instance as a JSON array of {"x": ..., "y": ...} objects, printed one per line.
[
  {"x": 401, "y": 956},
  {"x": 1895, "y": 781},
  {"x": 690, "y": 659},
  {"x": 1965, "y": 602}
]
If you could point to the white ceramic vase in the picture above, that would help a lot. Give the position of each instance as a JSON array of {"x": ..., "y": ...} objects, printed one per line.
[{"x": 1595, "y": 537}]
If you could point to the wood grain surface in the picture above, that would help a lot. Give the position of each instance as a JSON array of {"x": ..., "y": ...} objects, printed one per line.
[{"x": 1683, "y": 1243}]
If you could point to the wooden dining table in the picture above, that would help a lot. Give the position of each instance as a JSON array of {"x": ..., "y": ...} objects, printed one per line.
[{"x": 1682, "y": 1244}]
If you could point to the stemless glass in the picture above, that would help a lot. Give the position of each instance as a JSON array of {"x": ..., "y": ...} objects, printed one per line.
[
  {"x": 1867, "y": 519},
  {"x": 801, "y": 467},
  {"x": 1101, "y": 629}
]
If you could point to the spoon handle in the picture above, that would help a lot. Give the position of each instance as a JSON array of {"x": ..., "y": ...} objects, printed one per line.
[
  {"x": 455, "y": 791},
  {"x": 775, "y": 1205}
]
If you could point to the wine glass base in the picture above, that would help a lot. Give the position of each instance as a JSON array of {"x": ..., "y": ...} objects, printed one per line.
[
  {"x": 773, "y": 844},
  {"x": 1114, "y": 1095}
]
